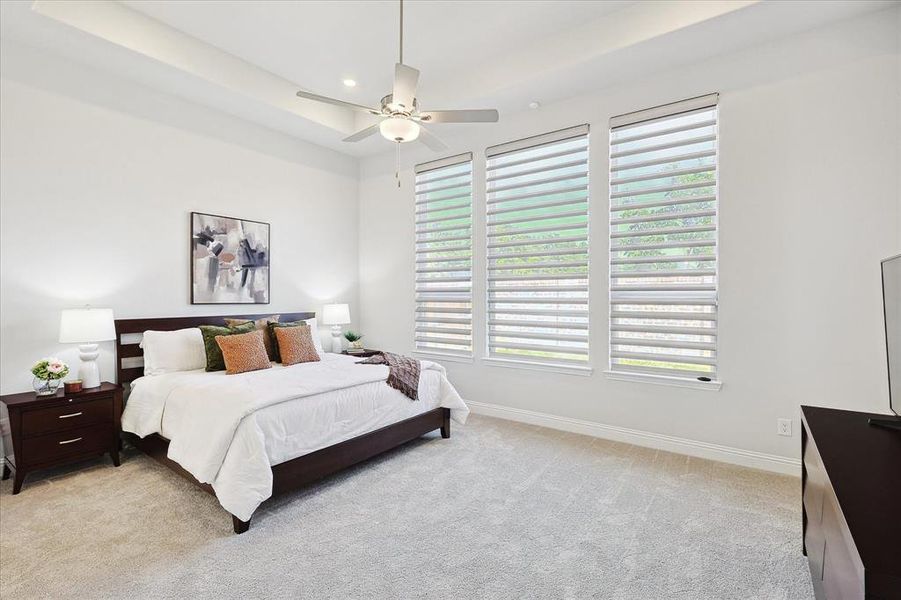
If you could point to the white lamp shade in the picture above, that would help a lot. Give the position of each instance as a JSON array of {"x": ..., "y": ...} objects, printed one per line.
[
  {"x": 335, "y": 314},
  {"x": 398, "y": 129},
  {"x": 86, "y": 325}
]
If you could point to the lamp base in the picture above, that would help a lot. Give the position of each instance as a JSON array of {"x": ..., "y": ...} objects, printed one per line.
[
  {"x": 337, "y": 346},
  {"x": 89, "y": 372}
]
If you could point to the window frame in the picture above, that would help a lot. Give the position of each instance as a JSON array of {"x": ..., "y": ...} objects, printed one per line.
[
  {"x": 421, "y": 169},
  {"x": 562, "y": 136},
  {"x": 636, "y": 119}
]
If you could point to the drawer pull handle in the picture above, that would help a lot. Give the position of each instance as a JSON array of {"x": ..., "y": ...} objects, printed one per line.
[
  {"x": 70, "y": 441},
  {"x": 70, "y": 415}
]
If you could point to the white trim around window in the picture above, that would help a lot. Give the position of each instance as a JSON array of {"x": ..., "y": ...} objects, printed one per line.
[
  {"x": 536, "y": 208},
  {"x": 443, "y": 264},
  {"x": 663, "y": 243}
]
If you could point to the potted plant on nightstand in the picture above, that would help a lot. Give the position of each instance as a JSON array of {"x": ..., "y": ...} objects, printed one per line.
[
  {"x": 48, "y": 374},
  {"x": 353, "y": 340}
]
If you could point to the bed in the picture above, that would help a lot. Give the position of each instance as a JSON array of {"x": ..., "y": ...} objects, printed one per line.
[{"x": 246, "y": 438}]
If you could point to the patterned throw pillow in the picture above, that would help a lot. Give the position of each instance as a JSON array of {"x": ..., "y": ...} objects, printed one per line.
[
  {"x": 261, "y": 324},
  {"x": 214, "y": 360},
  {"x": 295, "y": 345},
  {"x": 243, "y": 352},
  {"x": 272, "y": 327}
]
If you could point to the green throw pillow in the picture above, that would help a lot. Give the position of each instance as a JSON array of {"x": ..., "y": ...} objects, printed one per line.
[
  {"x": 214, "y": 359},
  {"x": 277, "y": 355}
]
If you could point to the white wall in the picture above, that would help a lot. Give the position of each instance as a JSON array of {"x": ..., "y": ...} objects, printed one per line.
[
  {"x": 98, "y": 175},
  {"x": 98, "y": 178},
  {"x": 809, "y": 203}
]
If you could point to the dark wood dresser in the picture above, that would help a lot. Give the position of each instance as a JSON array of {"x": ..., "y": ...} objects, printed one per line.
[
  {"x": 46, "y": 431},
  {"x": 851, "y": 489}
]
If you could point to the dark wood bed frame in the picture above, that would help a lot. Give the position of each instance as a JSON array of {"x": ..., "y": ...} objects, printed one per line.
[{"x": 290, "y": 475}]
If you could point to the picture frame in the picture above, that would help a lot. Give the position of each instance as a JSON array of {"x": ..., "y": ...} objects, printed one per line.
[{"x": 230, "y": 260}]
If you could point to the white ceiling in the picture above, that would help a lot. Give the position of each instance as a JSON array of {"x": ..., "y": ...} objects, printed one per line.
[
  {"x": 247, "y": 58},
  {"x": 319, "y": 44}
]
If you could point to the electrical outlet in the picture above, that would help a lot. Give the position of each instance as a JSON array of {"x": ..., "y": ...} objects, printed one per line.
[{"x": 784, "y": 427}]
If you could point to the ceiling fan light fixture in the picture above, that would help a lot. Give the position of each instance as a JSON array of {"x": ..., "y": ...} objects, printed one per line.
[
  {"x": 400, "y": 109},
  {"x": 399, "y": 129}
]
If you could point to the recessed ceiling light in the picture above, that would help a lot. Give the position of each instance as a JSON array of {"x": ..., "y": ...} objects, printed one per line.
[
  {"x": 534, "y": 104},
  {"x": 350, "y": 83}
]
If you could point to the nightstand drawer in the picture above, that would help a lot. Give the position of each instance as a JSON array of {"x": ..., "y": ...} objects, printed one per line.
[
  {"x": 70, "y": 416},
  {"x": 48, "y": 447}
]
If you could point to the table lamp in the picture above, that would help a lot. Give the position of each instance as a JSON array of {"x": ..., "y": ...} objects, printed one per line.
[
  {"x": 86, "y": 327},
  {"x": 336, "y": 315}
]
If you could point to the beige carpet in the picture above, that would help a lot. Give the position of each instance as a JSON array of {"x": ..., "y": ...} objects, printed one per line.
[{"x": 500, "y": 510}]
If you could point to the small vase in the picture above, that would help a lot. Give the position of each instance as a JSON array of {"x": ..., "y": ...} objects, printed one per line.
[
  {"x": 46, "y": 387},
  {"x": 358, "y": 345}
]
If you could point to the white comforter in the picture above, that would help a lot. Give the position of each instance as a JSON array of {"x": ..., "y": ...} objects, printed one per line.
[{"x": 228, "y": 430}]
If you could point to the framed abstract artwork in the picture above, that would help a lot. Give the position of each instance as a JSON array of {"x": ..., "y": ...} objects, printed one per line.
[{"x": 229, "y": 260}]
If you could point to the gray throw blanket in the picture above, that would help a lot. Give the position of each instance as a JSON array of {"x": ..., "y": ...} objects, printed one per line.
[{"x": 403, "y": 372}]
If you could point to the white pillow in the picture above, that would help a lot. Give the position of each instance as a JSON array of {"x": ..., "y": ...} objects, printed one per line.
[
  {"x": 171, "y": 351},
  {"x": 317, "y": 337}
]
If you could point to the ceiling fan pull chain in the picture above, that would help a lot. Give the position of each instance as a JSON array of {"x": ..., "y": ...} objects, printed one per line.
[{"x": 397, "y": 161}]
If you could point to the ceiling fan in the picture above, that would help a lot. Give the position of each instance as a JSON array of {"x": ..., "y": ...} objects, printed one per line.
[{"x": 401, "y": 119}]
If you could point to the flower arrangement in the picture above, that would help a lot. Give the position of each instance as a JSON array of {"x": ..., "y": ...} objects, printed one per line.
[
  {"x": 50, "y": 368},
  {"x": 48, "y": 374}
]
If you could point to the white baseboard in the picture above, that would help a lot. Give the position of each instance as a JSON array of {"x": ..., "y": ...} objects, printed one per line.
[{"x": 727, "y": 454}]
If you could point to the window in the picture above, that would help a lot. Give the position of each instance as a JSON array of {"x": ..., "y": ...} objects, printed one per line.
[
  {"x": 537, "y": 221},
  {"x": 444, "y": 256},
  {"x": 663, "y": 240}
]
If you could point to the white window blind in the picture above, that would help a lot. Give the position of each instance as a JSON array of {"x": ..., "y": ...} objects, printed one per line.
[
  {"x": 537, "y": 221},
  {"x": 663, "y": 240},
  {"x": 444, "y": 256}
]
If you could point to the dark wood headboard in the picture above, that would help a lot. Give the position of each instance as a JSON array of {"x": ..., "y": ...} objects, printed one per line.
[{"x": 132, "y": 349}]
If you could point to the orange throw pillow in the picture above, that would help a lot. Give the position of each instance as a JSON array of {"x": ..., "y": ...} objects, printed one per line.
[
  {"x": 243, "y": 352},
  {"x": 295, "y": 344}
]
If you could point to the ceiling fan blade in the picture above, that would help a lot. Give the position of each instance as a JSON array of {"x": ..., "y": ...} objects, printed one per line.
[
  {"x": 405, "y": 82},
  {"x": 488, "y": 115},
  {"x": 430, "y": 140},
  {"x": 362, "y": 134},
  {"x": 350, "y": 105}
]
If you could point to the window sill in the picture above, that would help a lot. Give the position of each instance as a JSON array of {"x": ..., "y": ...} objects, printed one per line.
[
  {"x": 438, "y": 357},
  {"x": 710, "y": 386},
  {"x": 536, "y": 366}
]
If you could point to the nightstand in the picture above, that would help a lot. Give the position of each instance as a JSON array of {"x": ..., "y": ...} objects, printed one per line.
[
  {"x": 46, "y": 431},
  {"x": 365, "y": 353}
]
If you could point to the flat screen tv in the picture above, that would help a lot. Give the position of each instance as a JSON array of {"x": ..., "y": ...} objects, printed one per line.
[{"x": 891, "y": 298}]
